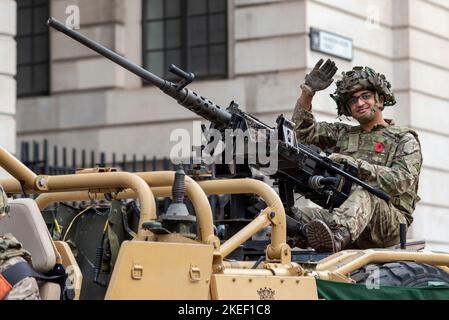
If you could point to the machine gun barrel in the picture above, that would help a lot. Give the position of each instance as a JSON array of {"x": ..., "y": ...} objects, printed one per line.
[
  {"x": 187, "y": 98},
  {"x": 160, "y": 83}
]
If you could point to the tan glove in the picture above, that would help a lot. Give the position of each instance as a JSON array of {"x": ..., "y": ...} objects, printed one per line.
[{"x": 337, "y": 157}]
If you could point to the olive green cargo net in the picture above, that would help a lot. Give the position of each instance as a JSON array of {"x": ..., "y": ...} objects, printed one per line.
[{"x": 361, "y": 78}]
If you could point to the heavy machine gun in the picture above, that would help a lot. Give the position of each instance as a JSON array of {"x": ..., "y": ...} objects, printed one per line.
[{"x": 300, "y": 168}]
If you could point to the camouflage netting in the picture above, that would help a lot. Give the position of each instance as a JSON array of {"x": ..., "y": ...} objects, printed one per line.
[{"x": 361, "y": 78}]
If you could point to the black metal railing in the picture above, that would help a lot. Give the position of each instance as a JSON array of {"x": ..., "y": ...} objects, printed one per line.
[{"x": 36, "y": 156}]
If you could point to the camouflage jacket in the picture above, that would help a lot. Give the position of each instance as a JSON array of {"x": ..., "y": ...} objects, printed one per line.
[
  {"x": 388, "y": 157},
  {"x": 10, "y": 247},
  {"x": 12, "y": 252}
]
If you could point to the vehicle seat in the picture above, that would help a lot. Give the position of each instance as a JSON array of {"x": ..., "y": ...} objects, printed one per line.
[{"x": 25, "y": 222}]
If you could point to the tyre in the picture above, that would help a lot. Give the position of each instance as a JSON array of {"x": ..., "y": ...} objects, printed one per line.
[{"x": 402, "y": 273}]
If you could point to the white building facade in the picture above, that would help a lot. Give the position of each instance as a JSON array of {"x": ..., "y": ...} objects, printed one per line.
[
  {"x": 7, "y": 74},
  {"x": 91, "y": 103}
]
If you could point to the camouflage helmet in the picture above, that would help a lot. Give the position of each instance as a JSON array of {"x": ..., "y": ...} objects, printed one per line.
[{"x": 361, "y": 78}]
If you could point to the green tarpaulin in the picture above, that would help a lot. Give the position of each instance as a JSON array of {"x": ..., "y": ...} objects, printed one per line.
[{"x": 331, "y": 290}]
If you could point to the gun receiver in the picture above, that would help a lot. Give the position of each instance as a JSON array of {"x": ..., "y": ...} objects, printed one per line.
[{"x": 301, "y": 168}]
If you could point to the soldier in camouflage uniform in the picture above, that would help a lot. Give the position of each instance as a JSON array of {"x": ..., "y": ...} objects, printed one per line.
[
  {"x": 11, "y": 252},
  {"x": 387, "y": 156}
]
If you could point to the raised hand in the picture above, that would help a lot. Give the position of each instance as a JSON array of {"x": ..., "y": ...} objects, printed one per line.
[{"x": 321, "y": 75}]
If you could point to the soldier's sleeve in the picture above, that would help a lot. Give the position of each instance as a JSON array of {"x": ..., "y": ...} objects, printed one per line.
[
  {"x": 309, "y": 131},
  {"x": 403, "y": 172}
]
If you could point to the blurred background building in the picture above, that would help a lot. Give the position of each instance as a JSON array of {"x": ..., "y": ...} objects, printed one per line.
[
  {"x": 255, "y": 52},
  {"x": 7, "y": 72}
]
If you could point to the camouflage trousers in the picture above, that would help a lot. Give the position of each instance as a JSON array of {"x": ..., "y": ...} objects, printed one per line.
[
  {"x": 371, "y": 221},
  {"x": 26, "y": 289}
]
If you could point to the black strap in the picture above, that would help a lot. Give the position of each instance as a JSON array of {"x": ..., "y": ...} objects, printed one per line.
[
  {"x": 22, "y": 270},
  {"x": 22, "y": 186}
]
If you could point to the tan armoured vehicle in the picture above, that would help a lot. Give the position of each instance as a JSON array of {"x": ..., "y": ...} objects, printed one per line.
[
  {"x": 163, "y": 258},
  {"x": 179, "y": 267}
]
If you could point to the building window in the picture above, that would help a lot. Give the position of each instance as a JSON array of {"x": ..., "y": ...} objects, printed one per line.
[
  {"x": 32, "y": 48},
  {"x": 191, "y": 34}
]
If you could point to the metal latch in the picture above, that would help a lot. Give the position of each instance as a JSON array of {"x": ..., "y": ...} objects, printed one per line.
[
  {"x": 137, "y": 272},
  {"x": 195, "y": 273}
]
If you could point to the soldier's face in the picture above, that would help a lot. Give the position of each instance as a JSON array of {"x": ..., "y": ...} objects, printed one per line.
[{"x": 364, "y": 106}]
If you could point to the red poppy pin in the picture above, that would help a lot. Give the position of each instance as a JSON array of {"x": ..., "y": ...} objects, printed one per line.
[{"x": 379, "y": 146}]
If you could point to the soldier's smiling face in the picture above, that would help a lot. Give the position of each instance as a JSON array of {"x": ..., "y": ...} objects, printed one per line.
[{"x": 364, "y": 105}]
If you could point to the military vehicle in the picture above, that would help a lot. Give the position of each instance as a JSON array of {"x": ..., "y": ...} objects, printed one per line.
[{"x": 177, "y": 255}]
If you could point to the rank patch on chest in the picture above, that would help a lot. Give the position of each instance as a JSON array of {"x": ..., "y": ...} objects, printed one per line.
[{"x": 379, "y": 146}]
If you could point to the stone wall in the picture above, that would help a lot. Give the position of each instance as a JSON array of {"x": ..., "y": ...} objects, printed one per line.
[
  {"x": 99, "y": 106},
  {"x": 7, "y": 73}
]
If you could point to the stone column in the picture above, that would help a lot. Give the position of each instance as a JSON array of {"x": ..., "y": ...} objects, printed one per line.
[
  {"x": 7, "y": 73},
  {"x": 422, "y": 77}
]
